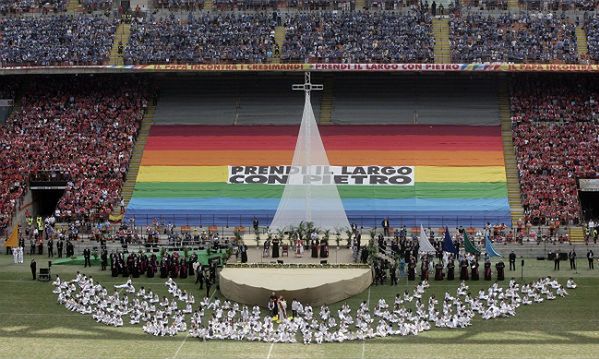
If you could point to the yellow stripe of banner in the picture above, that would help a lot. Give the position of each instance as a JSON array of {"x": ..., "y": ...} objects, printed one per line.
[
  {"x": 183, "y": 174},
  {"x": 219, "y": 174},
  {"x": 460, "y": 174}
]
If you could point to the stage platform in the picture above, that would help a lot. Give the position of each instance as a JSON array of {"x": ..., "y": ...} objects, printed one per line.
[
  {"x": 312, "y": 284},
  {"x": 255, "y": 255}
]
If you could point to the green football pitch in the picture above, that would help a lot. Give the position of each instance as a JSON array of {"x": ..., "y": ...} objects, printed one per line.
[{"x": 33, "y": 325}]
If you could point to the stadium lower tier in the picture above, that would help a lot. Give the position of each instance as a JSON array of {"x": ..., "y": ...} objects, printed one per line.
[{"x": 215, "y": 175}]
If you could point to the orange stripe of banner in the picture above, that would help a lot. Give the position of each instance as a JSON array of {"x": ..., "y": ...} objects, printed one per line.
[{"x": 340, "y": 158}]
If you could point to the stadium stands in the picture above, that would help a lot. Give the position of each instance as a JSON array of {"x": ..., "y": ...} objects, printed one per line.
[
  {"x": 94, "y": 5},
  {"x": 412, "y": 100},
  {"x": 86, "y": 128},
  {"x": 56, "y": 40},
  {"x": 557, "y": 5},
  {"x": 359, "y": 37},
  {"x": 220, "y": 38},
  {"x": 226, "y": 102},
  {"x": 592, "y": 29},
  {"x": 29, "y": 6},
  {"x": 525, "y": 37},
  {"x": 556, "y": 138}
]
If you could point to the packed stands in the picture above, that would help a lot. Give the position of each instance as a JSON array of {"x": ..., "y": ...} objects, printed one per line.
[
  {"x": 486, "y": 4},
  {"x": 188, "y": 5},
  {"x": 592, "y": 29},
  {"x": 359, "y": 37},
  {"x": 208, "y": 38},
  {"x": 93, "y": 5},
  {"x": 56, "y": 40},
  {"x": 84, "y": 127},
  {"x": 29, "y": 6},
  {"x": 559, "y": 5},
  {"x": 521, "y": 38},
  {"x": 556, "y": 136}
]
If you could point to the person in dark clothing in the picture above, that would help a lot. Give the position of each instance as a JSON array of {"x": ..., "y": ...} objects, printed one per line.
[
  {"x": 512, "y": 261},
  {"x": 488, "y": 273},
  {"x": 208, "y": 285},
  {"x": 87, "y": 257},
  {"x": 500, "y": 270},
  {"x": 591, "y": 258},
  {"x": 556, "y": 261},
  {"x": 59, "y": 247},
  {"x": 50, "y": 248},
  {"x": 572, "y": 258},
  {"x": 33, "y": 267},
  {"x": 450, "y": 270},
  {"x": 474, "y": 272},
  {"x": 104, "y": 257},
  {"x": 385, "y": 224}
]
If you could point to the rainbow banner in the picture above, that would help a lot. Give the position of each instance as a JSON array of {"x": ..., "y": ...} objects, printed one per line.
[{"x": 458, "y": 173}]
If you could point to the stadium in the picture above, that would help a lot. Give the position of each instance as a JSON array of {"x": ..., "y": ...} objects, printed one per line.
[{"x": 299, "y": 179}]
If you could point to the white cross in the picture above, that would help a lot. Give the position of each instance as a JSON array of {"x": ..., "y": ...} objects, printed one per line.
[{"x": 307, "y": 86}]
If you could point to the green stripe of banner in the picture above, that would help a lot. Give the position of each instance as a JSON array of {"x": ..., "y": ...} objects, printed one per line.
[{"x": 223, "y": 190}]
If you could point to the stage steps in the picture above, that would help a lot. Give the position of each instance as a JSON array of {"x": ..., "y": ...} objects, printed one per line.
[
  {"x": 441, "y": 34},
  {"x": 581, "y": 41},
  {"x": 513, "y": 5},
  {"x": 280, "y": 32},
  {"x": 123, "y": 32},
  {"x": 208, "y": 5},
  {"x": 511, "y": 167},
  {"x": 326, "y": 104},
  {"x": 138, "y": 151},
  {"x": 576, "y": 234},
  {"x": 74, "y": 6}
]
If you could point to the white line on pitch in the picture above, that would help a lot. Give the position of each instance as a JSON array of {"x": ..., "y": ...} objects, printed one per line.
[
  {"x": 364, "y": 341},
  {"x": 270, "y": 350},
  {"x": 184, "y": 340}
]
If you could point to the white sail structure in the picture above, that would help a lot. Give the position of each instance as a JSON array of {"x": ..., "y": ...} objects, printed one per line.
[
  {"x": 424, "y": 245},
  {"x": 310, "y": 193}
]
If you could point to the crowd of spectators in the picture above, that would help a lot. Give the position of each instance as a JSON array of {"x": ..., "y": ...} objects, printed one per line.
[
  {"x": 85, "y": 127},
  {"x": 592, "y": 29},
  {"x": 556, "y": 137},
  {"x": 94, "y": 5},
  {"x": 187, "y": 5},
  {"x": 359, "y": 37},
  {"x": 559, "y": 5},
  {"x": 520, "y": 38},
  {"x": 29, "y": 6},
  {"x": 56, "y": 40},
  {"x": 207, "y": 38}
]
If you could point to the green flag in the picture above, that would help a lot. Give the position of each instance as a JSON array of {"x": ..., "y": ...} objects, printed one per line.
[{"x": 469, "y": 246}]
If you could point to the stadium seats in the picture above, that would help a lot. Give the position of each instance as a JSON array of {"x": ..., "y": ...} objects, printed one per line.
[{"x": 556, "y": 140}]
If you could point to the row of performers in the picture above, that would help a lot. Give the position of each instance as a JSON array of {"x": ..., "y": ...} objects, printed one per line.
[
  {"x": 318, "y": 248},
  {"x": 170, "y": 265},
  {"x": 469, "y": 270}
]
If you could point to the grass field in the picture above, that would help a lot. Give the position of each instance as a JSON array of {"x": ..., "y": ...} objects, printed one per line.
[{"x": 33, "y": 325}]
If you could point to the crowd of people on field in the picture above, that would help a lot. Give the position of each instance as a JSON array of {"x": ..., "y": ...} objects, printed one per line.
[
  {"x": 56, "y": 40},
  {"x": 409, "y": 313},
  {"x": 521, "y": 38},
  {"x": 556, "y": 140},
  {"x": 84, "y": 127},
  {"x": 359, "y": 37}
]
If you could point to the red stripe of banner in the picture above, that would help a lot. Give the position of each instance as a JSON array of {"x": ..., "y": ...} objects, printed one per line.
[{"x": 423, "y": 138}]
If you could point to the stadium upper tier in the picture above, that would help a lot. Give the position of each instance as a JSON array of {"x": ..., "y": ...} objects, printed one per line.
[{"x": 405, "y": 36}]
